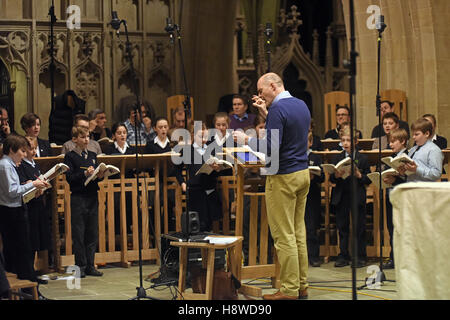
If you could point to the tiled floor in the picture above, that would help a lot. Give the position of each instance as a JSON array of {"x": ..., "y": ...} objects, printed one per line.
[{"x": 326, "y": 283}]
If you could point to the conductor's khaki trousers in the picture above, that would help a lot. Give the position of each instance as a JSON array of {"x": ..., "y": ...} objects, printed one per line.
[{"x": 286, "y": 201}]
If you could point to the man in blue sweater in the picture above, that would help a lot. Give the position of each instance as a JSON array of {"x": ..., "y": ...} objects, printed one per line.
[{"x": 287, "y": 127}]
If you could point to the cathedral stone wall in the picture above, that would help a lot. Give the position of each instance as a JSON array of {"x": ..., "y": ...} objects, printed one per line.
[
  {"x": 92, "y": 60},
  {"x": 415, "y": 57}
]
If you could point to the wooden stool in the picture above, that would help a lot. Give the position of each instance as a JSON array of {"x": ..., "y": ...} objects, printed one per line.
[
  {"x": 258, "y": 266},
  {"x": 208, "y": 256},
  {"x": 16, "y": 284}
]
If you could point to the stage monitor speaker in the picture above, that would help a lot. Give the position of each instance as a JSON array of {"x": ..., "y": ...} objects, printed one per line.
[{"x": 193, "y": 223}]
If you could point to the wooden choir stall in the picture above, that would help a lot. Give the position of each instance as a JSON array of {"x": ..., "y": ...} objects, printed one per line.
[{"x": 123, "y": 247}]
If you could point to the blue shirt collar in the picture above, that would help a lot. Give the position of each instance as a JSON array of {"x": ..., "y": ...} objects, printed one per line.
[
  {"x": 244, "y": 117},
  {"x": 10, "y": 160},
  {"x": 282, "y": 95}
]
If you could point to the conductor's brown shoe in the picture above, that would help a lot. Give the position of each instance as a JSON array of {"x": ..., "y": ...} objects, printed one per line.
[
  {"x": 303, "y": 294},
  {"x": 278, "y": 296}
]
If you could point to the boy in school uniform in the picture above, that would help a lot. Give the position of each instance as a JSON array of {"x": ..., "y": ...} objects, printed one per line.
[
  {"x": 398, "y": 141},
  {"x": 83, "y": 202},
  {"x": 38, "y": 215},
  {"x": 13, "y": 214},
  {"x": 313, "y": 207},
  {"x": 340, "y": 199},
  {"x": 426, "y": 155}
]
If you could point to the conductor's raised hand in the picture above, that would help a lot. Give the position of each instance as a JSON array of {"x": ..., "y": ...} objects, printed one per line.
[{"x": 260, "y": 104}]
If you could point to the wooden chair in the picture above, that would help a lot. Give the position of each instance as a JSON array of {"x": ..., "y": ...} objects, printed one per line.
[
  {"x": 17, "y": 284},
  {"x": 175, "y": 102},
  {"x": 398, "y": 97},
  {"x": 333, "y": 99}
]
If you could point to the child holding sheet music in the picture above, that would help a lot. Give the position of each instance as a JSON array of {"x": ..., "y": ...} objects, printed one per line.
[
  {"x": 13, "y": 217},
  {"x": 398, "y": 139},
  {"x": 38, "y": 215},
  {"x": 202, "y": 193},
  {"x": 427, "y": 157},
  {"x": 83, "y": 202},
  {"x": 340, "y": 199}
]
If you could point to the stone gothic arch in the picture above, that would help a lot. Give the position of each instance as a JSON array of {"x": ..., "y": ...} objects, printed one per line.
[{"x": 292, "y": 53}]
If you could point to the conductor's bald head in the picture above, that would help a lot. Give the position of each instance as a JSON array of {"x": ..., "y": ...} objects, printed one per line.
[
  {"x": 269, "y": 86},
  {"x": 271, "y": 77}
]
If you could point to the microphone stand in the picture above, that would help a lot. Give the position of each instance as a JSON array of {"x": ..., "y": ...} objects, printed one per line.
[
  {"x": 269, "y": 33},
  {"x": 380, "y": 277},
  {"x": 115, "y": 23},
  {"x": 52, "y": 53},
  {"x": 354, "y": 187},
  {"x": 172, "y": 29}
]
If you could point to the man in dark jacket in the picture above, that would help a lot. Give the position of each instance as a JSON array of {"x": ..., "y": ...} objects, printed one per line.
[{"x": 66, "y": 107}]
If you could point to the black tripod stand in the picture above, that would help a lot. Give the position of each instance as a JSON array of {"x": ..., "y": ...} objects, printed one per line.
[
  {"x": 115, "y": 24},
  {"x": 380, "y": 276}
]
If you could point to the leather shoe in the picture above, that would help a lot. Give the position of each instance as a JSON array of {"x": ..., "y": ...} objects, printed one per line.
[
  {"x": 389, "y": 265},
  {"x": 278, "y": 296},
  {"x": 93, "y": 272},
  {"x": 303, "y": 294},
  {"x": 41, "y": 281},
  {"x": 341, "y": 262},
  {"x": 315, "y": 263}
]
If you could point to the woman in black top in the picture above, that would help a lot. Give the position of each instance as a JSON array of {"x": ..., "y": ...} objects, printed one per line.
[
  {"x": 158, "y": 145},
  {"x": 120, "y": 145},
  {"x": 31, "y": 124}
]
